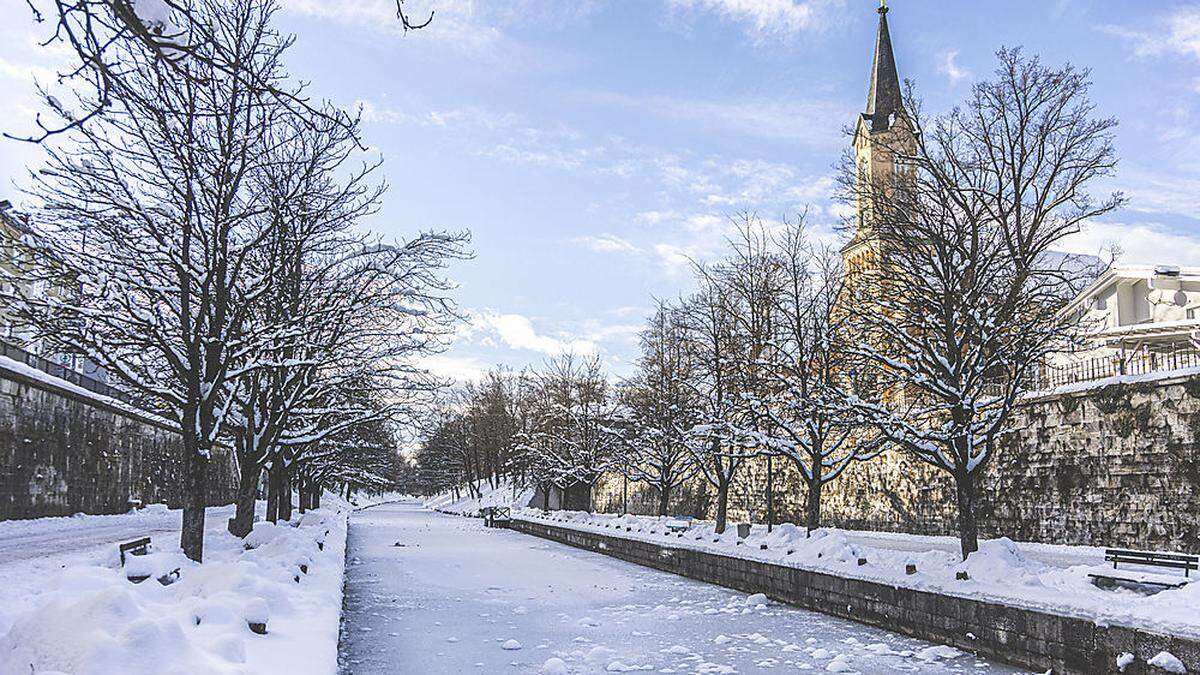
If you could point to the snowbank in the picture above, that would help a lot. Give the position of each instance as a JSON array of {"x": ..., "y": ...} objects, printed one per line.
[
  {"x": 89, "y": 618},
  {"x": 504, "y": 494},
  {"x": 999, "y": 572}
]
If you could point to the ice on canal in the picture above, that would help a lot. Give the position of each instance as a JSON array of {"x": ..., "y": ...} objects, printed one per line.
[{"x": 430, "y": 593}]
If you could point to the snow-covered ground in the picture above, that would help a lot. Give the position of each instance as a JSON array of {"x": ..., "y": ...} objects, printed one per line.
[
  {"x": 504, "y": 494},
  {"x": 1033, "y": 576},
  {"x": 428, "y": 593},
  {"x": 67, "y": 606}
]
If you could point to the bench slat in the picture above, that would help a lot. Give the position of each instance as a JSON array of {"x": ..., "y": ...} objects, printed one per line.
[{"x": 1151, "y": 554}]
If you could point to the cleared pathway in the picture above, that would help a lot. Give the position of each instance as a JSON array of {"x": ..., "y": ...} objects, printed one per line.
[{"x": 429, "y": 593}]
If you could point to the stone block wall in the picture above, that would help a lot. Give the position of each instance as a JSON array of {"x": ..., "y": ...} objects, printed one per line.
[
  {"x": 1115, "y": 465},
  {"x": 1027, "y": 638},
  {"x": 64, "y": 452}
]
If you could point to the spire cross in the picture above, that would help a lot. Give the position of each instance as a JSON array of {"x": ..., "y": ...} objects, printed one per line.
[{"x": 883, "y": 8}]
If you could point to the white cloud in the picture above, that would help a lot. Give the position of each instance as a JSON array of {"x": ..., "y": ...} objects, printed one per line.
[
  {"x": 457, "y": 23},
  {"x": 517, "y": 332},
  {"x": 655, "y": 217},
  {"x": 455, "y": 118},
  {"x": 1139, "y": 242},
  {"x": 765, "y": 19},
  {"x": 605, "y": 243},
  {"x": 26, "y": 72},
  {"x": 812, "y": 121},
  {"x": 948, "y": 65},
  {"x": 1177, "y": 33},
  {"x": 457, "y": 368}
]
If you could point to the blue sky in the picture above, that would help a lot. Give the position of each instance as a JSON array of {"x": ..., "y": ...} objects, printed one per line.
[{"x": 594, "y": 147}]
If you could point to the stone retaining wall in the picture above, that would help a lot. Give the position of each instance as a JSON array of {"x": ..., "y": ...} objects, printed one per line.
[
  {"x": 63, "y": 451},
  {"x": 1115, "y": 465},
  {"x": 1026, "y": 638}
]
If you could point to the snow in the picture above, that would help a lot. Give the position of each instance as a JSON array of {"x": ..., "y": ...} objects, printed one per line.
[
  {"x": 29, "y": 372},
  {"x": 574, "y": 611},
  {"x": 1124, "y": 661},
  {"x": 1088, "y": 385},
  {"x": 1168, "y": 662},
  {"x": 70, "y": 608},
  {"x": 505, "y": 494},
  {"x": 1051, "y": 578}
]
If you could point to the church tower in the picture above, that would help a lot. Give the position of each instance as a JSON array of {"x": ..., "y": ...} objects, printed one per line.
[{"x": 881, "y": 130}]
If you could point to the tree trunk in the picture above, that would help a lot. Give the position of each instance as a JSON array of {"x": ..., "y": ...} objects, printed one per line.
[
  {"x": 316, "y": 495},
  {"x": 770, "y": 493},
  {"x": 664, "y": 498},
  {"x": 546, "y": 497},
  {"x": 722, "y": 505},
  {"x": 285, "y": 495},
  {"x": 191, "y": 535},
  {"x": 247, "y": 498},
  {"x": 303, "y": 491},
  {"x": 624, "y": 494},
  {"x": 968, "y": 534},
  {"x": 274, "y": 490},
  {"x": 812, "y": 514}
]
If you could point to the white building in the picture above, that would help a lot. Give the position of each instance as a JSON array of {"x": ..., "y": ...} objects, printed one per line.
[{"x": 1138, "y": 318}]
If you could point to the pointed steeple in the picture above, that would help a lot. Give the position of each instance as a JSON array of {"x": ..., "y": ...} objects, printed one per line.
[{"x": 883, "y": 101}]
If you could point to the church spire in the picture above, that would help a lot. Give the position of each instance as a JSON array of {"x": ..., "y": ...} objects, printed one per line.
[{"x": 883, "y": 101}]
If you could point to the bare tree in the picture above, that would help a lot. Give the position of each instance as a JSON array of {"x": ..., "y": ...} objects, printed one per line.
[
  {"x": 658, "y": 413},
  {"x": 712, "y": 347},
  {"x": 571, "y": 410},
  {"x": 968, "y": 307},
  {"x": 176, "y": 35},
  {"x": 751, "y": 273},
  {"x": 155, "y": 211},
  {"x": 807, "y": 365}
]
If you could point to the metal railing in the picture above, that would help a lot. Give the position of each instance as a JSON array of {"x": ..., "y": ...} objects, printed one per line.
[
  {"x": 1129, "y": 363},
  {"x": 62, "y": 372}
]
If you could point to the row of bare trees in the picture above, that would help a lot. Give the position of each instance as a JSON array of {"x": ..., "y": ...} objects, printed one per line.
[
  {"x": 779, "y": 353},
  {"x": 203, "y": 216}
]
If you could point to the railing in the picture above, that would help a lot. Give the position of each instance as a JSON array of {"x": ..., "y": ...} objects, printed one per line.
[
  {"x": 63, "y": 373},
  {"x": 1130, "y": 363}
]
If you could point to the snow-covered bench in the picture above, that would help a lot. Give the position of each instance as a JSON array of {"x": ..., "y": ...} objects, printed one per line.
[
  {"x": 1184, "y": 561},
  {"x": 138, "y": 573},
  {"x": 679, "y": 525}
]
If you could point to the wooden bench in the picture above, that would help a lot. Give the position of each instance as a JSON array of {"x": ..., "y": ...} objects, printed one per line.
[
  {"x": 139, "y": 547},
  {"x": 135, "y": 547},
  {"x": 1178, "y": 561}
]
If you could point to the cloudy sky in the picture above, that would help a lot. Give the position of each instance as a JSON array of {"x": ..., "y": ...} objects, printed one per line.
[{"x": 594, "y": 147}]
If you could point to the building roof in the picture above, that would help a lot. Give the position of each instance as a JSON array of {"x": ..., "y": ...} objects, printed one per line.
[
  {"x": 15, "y": 220},
  {"x": 883, "y": 99},
  {"x": 1117, "y": 273}
]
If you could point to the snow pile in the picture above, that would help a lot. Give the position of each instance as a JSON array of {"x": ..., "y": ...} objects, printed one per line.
[
  {"x": 1000, "y": 571},
  {"x": 362, "y": 500},
  {"x": 505, "y": 493},
  {"x": 89, "y": 618},
  {"x": 1168, "y": 662}
]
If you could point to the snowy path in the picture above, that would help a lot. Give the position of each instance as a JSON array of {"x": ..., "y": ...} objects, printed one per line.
[
  {"x": 28, "y": 545},
  {"x": 450, "y": 598}
]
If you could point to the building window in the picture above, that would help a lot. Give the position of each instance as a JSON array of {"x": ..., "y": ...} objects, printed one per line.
[
  {"x": 1099, "y": 303},
  {"x": 1191, "y": 313}
]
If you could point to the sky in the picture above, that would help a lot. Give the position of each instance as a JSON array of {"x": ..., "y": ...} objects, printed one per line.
[{"x": 595, "y": 148}]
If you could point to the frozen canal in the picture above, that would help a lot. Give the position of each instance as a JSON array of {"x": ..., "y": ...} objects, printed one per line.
[{"x": 428, "y": 593}]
